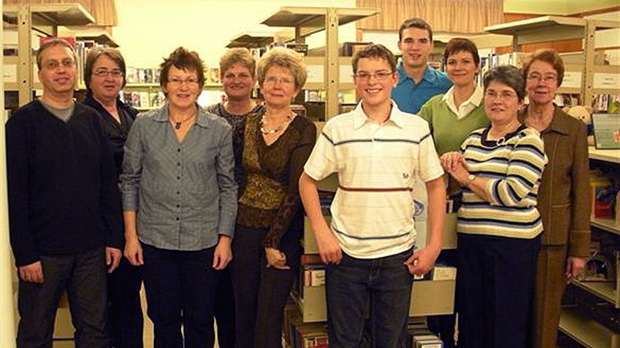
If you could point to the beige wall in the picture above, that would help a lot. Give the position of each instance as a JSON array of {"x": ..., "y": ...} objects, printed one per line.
[{"x": 150, "y": 29}]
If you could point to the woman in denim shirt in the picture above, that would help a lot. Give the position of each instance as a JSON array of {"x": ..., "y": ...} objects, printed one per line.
[{"x": 179, "y": 201}]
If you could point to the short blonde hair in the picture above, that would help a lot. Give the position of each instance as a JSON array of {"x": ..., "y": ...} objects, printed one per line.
[
  {"x": 283, "y": 58},
  {"x": 237, "y": 55}
]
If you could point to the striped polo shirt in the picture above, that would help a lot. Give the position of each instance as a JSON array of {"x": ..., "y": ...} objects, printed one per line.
[
  {"x": 377, "y": 165},
  {"x": 514, "y": 167}
]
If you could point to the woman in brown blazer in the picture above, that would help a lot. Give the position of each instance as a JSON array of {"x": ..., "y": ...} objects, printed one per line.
[{"x": 563, "y": 197}]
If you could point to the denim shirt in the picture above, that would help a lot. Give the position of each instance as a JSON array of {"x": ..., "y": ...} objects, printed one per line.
[{"x": 185, "y": 193}]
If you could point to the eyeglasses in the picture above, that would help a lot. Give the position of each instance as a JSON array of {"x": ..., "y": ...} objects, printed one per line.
[
  {"x": 176, "y": 82},
  {"x": 54, "y": 64},
  {"x": 379, "y": 75},
  {"x": 548, "y": 78},
  {"x": 283, "y": 80},
  {"x": 240, "y": 76},
  {"x": 105, "y": 73},
  {"x": 502, "y": 96}
]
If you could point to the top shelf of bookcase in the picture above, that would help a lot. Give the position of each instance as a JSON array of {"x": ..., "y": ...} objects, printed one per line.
[
  {"x": 50, "y": 14},
  {"x": 310, "y": 20}
]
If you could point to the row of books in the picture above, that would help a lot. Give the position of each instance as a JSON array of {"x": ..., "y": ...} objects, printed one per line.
[
  {"x": 606, "y": 103},
  {"x": 298, "y": 334},
  {"x": 152, "y": 75},
  {"x": 141, "y": 99}
]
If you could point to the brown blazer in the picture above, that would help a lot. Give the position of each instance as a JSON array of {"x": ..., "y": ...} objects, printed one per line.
[{"x": 564, "y": 193}]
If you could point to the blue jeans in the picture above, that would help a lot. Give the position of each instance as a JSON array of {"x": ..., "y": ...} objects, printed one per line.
[{"x": 355, "y": 286}]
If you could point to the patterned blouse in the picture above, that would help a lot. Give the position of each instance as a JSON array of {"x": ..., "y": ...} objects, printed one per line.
[{"x": 271, "y": 197}]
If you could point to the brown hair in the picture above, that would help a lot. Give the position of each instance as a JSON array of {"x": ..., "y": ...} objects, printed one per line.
[
  {"x": 52, "y": 43},
  {"x": 97, "y": 52},
  {"x": 376, "y": 51},
  {"x": 182, "y": 59},
  {"x": 508, "y": 75},
  {"x": 415, "y": 23},
  {"x": 459, "y": 44},
  {"x": 547, "y": 55}
]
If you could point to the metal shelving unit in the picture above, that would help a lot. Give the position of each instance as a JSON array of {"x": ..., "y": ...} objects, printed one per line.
[{"x": 310, "y": 20}]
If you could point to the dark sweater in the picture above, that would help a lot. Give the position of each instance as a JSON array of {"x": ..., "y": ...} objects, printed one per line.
[
  {"x": 116, "y": 133},
  {"x": 63, "y": 196}
]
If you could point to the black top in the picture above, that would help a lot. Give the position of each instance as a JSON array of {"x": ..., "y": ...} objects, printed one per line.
[
  {"x": 116, "y": 133},
  {"x": 63, "y": 196}
]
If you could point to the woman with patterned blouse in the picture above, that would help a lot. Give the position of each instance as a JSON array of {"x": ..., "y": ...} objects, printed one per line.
[{"x": 267, "y": 251}]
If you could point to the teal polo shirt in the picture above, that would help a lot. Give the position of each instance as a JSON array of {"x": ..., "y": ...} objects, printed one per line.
[{"x": 410, "y": 96}]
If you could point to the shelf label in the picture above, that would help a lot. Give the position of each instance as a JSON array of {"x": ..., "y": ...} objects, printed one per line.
[
  {"x": 9, "y": 73},
  {"x": 572, "y": 79},
  {"x": 606, "y": 80}
]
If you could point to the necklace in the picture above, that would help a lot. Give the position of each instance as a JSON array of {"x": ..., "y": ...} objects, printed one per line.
[
  {"x": 177, "y": 125},
  {"x": 278, "y": 128}
]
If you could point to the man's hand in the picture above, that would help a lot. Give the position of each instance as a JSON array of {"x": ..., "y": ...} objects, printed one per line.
[
  {"x": 133, "y": 251},
  {"x": 574, "y": 266},
  {"x": 422, "y": 261},
  {"x": 112, "y": 258},
  {"x": 223, "y": 253},
  {"x": 329, "y": 248},
  {"x": 32, "y": 273},
  {"x": 276, "y": 258}
]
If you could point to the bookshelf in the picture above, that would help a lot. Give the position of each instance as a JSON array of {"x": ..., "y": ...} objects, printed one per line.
[
  {"x": 152, "y": 89},
  {"x": 592, "y": 78},
  {"x": 310, "y": 20},
  {"x": 574, "y": 320},
  {"x": 33, "y": 20}
]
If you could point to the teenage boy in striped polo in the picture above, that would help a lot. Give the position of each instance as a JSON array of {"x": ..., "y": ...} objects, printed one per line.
[{"x": 377, "y": 151}]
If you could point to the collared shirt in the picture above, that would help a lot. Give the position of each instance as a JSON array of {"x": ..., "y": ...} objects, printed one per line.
[
  {"x": 185, "y": 193},
  {"x": 377, "y": 164},
  {"x": 467, "y": 106},
  {"x": 411, "y": 96}
]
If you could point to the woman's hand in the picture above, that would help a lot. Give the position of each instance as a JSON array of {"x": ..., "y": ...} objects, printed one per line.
[
  {"x": 450, "y": 160},
  {"x": 223, "y": 253},
  {"x": 133, "y": 251},
  {"x": 276, "y": 258}
]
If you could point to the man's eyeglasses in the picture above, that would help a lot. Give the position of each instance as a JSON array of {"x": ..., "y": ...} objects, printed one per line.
[
  {"x": 379, "y": 75},
  {"x": 54, "y": 64},
  {"x": 105, "y": 73}
]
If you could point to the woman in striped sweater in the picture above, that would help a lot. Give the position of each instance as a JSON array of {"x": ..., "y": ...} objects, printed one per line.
[{"x": 500, "y": 168}]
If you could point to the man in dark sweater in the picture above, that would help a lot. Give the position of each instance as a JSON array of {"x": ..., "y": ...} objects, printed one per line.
[{"x": 64, "y": 212}]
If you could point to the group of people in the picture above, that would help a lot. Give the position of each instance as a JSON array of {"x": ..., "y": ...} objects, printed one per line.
[{"x": 213, "y": 198}]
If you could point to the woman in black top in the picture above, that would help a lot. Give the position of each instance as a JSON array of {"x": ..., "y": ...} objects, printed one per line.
[{"x": 104, "y": 74}]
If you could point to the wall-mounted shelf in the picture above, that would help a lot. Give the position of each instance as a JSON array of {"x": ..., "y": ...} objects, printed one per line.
[
  {"x": 260, "y": 38},
  {"x": 612, "y": 155},
  {"x": 549, "y": 29},
  {"x": 44, "y": 19},
  {"x": 92, "y": 33},
  {"x": 310, "y": 20},
  {"x": 586, "y": 331}
]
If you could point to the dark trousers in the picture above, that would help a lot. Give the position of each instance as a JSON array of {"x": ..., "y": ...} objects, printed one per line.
[
  {"x": 354, "y": 285},
  {"x": 125, "y": 320},
  {"x": 180, "y": 291},
  {"x": 260, "y": 292},
  {"x": 495, "y": 288},
  {"x": 550, "y": 285},
  {"x": 225, "y": 309},
  {"x": 83, "y": 276}
]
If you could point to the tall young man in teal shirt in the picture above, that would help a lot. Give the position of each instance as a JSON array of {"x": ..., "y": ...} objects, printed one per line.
[{"x": 417, "y": 82}]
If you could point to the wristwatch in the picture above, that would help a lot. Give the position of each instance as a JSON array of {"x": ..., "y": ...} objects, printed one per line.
[{"x": 470, "y": 178}]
